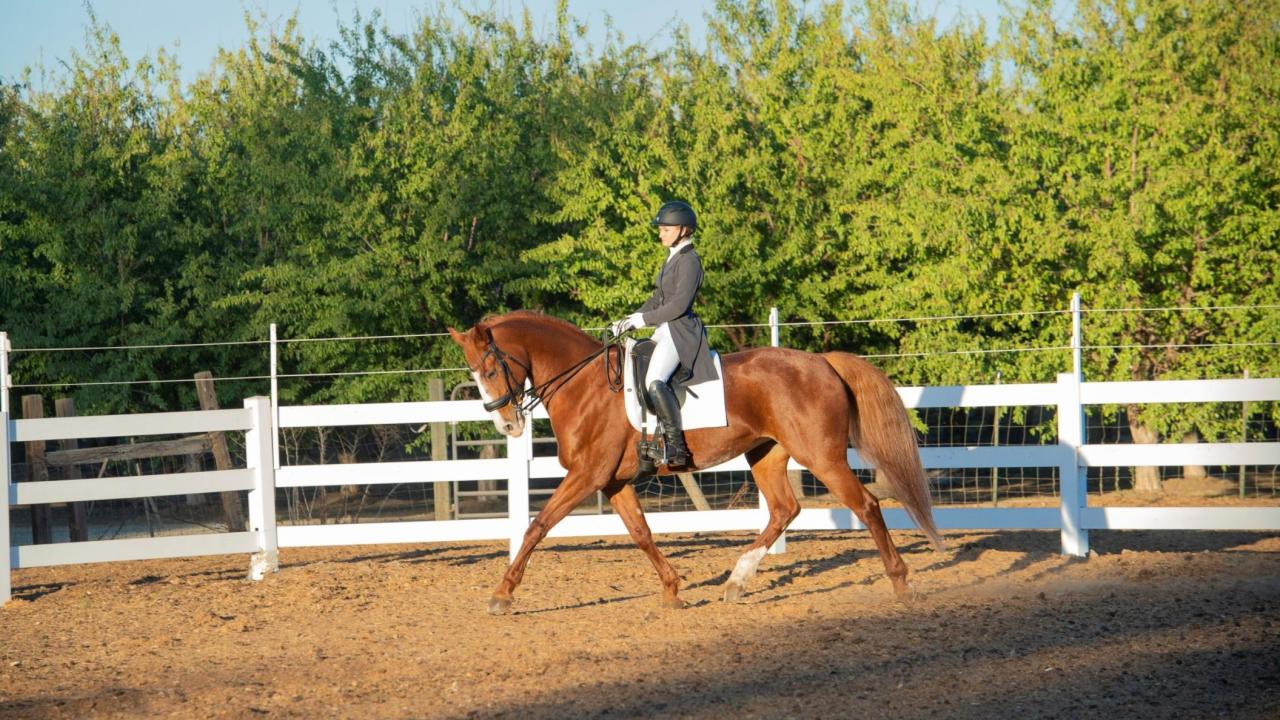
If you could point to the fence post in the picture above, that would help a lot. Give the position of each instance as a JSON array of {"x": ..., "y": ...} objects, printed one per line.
[
  {"x": 6, "y": 477},
  {"x": 519, "y": 453},
  {"x": 1071, "y": 476},
  {"x": 6, "y": 559},
  {"x": 1077, "y": 349},
  {"x": 275, "y": 401},
  {"x": 1073, "y": 485},
  {"x": 5, "y": 380},
  {"x": 262, "y": 498},
  {"x": 779, "y": 545}
]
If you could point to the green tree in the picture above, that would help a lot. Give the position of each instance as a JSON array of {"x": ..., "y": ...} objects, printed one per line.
[
  {"x": 89, "y": 219},
  {"x": 1153, "y": 126}
]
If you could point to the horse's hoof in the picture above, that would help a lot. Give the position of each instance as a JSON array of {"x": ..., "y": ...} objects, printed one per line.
[
  {"x": 674, "y": 603},
  {"x": 499, "y": 606},
  {"x": 908, "y": 594},
  {"x": 732, "y": 592}
]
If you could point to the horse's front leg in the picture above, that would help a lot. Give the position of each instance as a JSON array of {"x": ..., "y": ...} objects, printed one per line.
[
  {"x": 627, "y": 505},
  {"x": 576, "y": 487}
]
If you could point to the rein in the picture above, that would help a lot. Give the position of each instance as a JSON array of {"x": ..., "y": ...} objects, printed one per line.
[{"x": 542, "y": 392}]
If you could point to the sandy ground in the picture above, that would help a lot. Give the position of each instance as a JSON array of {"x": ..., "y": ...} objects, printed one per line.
[{"x": 1156, "y": 625}]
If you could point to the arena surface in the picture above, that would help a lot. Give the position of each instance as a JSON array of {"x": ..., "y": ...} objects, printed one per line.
[{"x": 1156, "y": 625}]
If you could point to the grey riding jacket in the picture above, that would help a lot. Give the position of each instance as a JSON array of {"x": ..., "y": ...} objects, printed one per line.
[{"x": 672, "y": 303}]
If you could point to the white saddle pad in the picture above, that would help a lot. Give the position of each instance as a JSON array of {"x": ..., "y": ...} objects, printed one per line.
[{"x": 706, "y": 410}]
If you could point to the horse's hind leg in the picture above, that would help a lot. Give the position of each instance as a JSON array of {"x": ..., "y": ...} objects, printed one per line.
[
  {"x": 769, "y": 468},
  {"x": 627, "y": 506},
  {"x": 840, "y": 480}
]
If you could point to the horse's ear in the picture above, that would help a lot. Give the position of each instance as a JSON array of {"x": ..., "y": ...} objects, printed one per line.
[{"x": 457, "y": 336}]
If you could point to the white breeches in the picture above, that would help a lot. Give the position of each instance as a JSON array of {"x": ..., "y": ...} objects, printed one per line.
[{"x": 665, "y": 359}]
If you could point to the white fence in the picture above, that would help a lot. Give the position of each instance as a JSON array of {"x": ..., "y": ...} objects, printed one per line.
[{"x": 1072, "y": 517}]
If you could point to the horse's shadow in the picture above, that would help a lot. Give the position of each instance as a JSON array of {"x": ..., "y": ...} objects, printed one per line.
[
  {"x": 605, "y": 601},
  {"x": 1035, "y": 550},
  {"x": 470, "y": 554}
]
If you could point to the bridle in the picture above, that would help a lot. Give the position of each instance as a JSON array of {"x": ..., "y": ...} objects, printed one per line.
[
  {"x": 513, "y": 394},
  {"x": 525, "y": 400}
]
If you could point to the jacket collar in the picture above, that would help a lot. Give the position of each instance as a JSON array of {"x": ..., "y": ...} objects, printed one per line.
[{"x": 682, "y": 246}]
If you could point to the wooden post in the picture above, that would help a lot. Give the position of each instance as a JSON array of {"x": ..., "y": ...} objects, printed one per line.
[
  {"x": 439, "y": 450},
  {"x": 221, "y": 456},
  {"x": 1244, "y": 432},
  {"x": 489, "y": 487},
  {"x": 190, "y": 464},
  {"x": 77, "y": 512},
  {"x": 37, "y": 471},
  {"x": 695, "y": 491},
  {"x": 796, "y": 478},
  {"x": 995, "y": 442}
]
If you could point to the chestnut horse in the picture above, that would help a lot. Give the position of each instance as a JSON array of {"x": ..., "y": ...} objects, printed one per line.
[{"x": 781, "y": 404}]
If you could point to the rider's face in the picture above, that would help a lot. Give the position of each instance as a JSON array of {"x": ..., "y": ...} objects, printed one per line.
[{"x": 669, "y": 234}]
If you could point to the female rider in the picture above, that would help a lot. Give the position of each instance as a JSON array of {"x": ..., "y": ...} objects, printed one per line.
[{"x": 681, "y": 339}]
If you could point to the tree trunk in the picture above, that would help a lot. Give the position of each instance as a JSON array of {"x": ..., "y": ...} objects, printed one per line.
[
  {"x": 1145, "y": 479},
  {"x": 1194, "y": 472}
]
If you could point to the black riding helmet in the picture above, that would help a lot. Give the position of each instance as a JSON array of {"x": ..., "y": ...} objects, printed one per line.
[{"x": 675, "y": 212}]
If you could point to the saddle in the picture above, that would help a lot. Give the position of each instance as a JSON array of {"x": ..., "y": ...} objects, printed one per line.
[
  {"x": 641, "y": 352},
  {"x": 701, "y": 405}
]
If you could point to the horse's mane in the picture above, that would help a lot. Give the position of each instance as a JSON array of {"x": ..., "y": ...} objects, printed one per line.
[{"x": 489, "y": 321}]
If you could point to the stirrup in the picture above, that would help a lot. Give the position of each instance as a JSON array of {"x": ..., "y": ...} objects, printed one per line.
[
  {"x": 652, "y": 455},
  {"x": 647, "y": 455}
]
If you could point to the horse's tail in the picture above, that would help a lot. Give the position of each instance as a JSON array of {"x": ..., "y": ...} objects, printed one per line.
[{"x": 882, "y": 434}]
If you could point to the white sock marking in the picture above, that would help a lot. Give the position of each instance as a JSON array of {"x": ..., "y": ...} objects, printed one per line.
[{"x": 746, "y": 567}]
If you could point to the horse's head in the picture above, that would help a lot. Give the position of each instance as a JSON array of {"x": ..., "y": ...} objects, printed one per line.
[{"x": 500, "y": 374}]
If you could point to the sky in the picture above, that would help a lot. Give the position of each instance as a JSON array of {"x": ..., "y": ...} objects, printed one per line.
[{"x": 44, "y": 32}]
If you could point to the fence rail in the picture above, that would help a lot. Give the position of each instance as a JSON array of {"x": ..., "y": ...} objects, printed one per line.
[
  {"x": 1070, "y": 455},
  {"x": 258, "y": 478}
]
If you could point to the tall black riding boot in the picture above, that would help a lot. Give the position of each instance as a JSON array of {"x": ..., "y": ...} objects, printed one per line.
[{"x": 668, "y": 412}]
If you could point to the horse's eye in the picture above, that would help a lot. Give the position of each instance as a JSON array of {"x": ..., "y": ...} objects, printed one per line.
[{"x": 491, "y": 373}]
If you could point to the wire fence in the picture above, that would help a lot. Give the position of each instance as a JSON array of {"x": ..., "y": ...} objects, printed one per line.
[{"x": 16, "y": 353}]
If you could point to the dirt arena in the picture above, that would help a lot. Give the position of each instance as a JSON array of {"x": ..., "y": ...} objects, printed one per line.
[{"x": 1157, "y": 624}]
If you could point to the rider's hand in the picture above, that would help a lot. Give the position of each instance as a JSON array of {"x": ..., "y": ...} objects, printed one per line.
[
  {"x": 635, "y": 321},
  {"x": 620, "y": 326}
]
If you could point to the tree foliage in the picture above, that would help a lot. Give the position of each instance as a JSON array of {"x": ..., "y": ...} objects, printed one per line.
[{"x": 848, "y": 162}]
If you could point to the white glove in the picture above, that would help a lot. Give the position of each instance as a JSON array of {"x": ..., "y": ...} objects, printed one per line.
[{"x": 631, "y": 322}]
